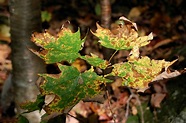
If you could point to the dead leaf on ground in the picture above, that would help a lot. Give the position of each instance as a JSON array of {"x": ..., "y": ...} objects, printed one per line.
[
  {"x": 117, "y": 83},
  {"x": 134, "y": 110},
  {"x": 7, "y": 65},
  {"x": 3, "y": 75},
  {"x": 135, "y": 12},
  {"x": 5, "y": 33},
  {"x": 4, "y": 52},
  {"x": 156, "y": 99},
  {"x": 80, "y": 65},
  {"x": 164, "y": 42}
]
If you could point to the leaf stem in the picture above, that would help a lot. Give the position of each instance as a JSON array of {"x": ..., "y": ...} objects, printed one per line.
[
  {"x": 113, "y": 55},
  {"x": 77, "y": 118}
]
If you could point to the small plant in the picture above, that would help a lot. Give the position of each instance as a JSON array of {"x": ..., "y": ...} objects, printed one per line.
[{"x": 70, "y": 86}]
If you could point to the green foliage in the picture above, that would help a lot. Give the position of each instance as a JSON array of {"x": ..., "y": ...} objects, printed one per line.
[
  {"x": 22, "y": 119},
  {"x": 37, "y": 105},
  {"x": 98, "y": 9},
  {"x": 139, "y": 72},
  {"x": 64, "y": 47},
  {"x": 123, "y": 38},
  {"x": 96, "y": 61},
  {"x": 46, "y": 16},
  {"x": 70, "y": 86}
]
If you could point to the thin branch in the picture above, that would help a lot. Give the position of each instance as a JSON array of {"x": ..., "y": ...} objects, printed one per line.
[
  {"x": 109, "y": 103},
  {"x": 127, "y": 109},
  {"x": 141, "y": 110},
  {"x": 139, "y": 103},
  {"x": 112, "y": 55}
]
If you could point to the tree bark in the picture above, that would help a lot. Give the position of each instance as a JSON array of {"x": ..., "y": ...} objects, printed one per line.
[
  {"x": 25, "y": 19},
  {"x": 105, "y": 22}
]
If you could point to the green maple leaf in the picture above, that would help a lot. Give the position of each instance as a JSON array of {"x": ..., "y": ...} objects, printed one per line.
[
  {"x": 22, "y": 119},
  {"x": 32, "y": 106},
  {"x": 124, "y": 37},
  {"x": 140, "y": 72},
  {"x": 94, "y": 60},
  {"x": 69, "y": 87},
  {"x": 64, "y": 47}
]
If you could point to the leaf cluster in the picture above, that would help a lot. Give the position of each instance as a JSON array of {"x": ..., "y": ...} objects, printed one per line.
[{"x": 70, "y": 85}]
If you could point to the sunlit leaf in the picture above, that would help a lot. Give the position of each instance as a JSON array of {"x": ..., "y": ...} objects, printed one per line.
[
  {"x": 134, "y": 54},
  {"x": 69, "y": 87},
  {"x": 94, "y": 60},
  {"x": 139, "y": 73},
  {"x": 64, "y": 47},
  {"x": 125, "y": 36}
]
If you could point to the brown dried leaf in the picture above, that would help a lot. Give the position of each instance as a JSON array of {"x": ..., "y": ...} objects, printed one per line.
[
  {"x": 4, "y": 52},
  {"x": 127, "y": 20},
  {"x": 134, "y": 110},
  {"x": 156, "y": 99},
  {"x": 167, "y": 75}
]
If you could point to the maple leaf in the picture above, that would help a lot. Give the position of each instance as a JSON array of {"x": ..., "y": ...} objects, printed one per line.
[
  {"x": 69, "y": 87},
  {"x": 64, "y": 47},
  {"x": 32, "y": 106},
  {"x": 124, "y": 37},
  {"x": 140, "y": 72},
  {"x": 22, "y": 119},
  {"x": 94, "y": 60}
]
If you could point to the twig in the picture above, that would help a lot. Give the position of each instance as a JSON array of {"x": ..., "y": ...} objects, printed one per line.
[
  {"x": 138, "y": 101},
  {"x": 112, "y": 55},
  {"x": 141, "y": 110},
  {"x": 109, "y": 103},
  {"x": 127, "y": 108}
]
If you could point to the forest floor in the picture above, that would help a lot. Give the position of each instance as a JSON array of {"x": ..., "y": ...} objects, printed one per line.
[{"x": 165, "y": 18}]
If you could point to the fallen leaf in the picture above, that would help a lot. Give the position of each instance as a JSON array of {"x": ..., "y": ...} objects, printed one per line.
[
  {"x": 80, "y": 65},
  {"x": 156, "y": 99},
  {"x": 135, "y": 12},
  {"x": 4, "y": 52},
  {"x": 134, "y": 110}
]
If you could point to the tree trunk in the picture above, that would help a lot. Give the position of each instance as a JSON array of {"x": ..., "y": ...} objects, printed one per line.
[{"x": 24, "y": 20}]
